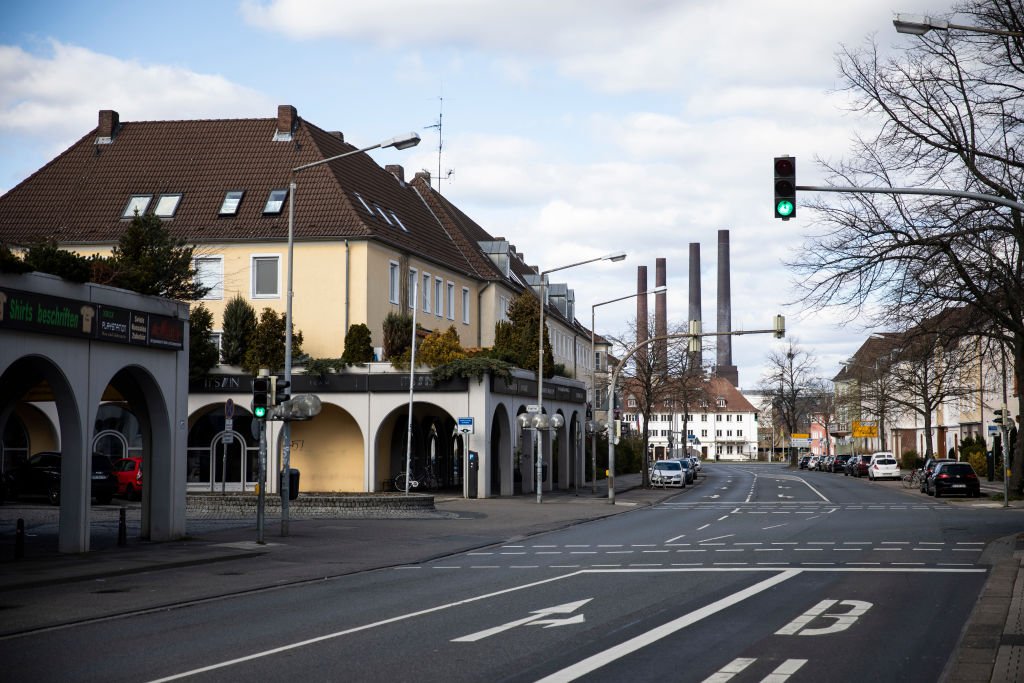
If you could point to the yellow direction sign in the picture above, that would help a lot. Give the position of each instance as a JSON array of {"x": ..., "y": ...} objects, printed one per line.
[
  {"x": 864, "y": 430},
  {"x": 800, "y": 436}
]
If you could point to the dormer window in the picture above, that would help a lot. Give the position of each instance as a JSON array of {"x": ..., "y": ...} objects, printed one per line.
[
  {"x": 229, "y": 207},
  {"x": 275, "y": 202},
  {"x": 137, "y": 204},
  {"x": 720, "y": 402},
  {"x": 167, "y": 205}
]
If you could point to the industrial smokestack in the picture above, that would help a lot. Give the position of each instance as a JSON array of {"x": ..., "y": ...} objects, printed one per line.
[
  {"x": 725, "y": 369},
  {"x": 642, "y": 331},
  {"x": 660, "y": 316},
  {"x": 696, "y": 359}
]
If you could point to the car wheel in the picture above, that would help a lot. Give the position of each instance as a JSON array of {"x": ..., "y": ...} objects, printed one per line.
[
  {"x": 938, "y": 494},
  {"x": 53, "y": 495}
]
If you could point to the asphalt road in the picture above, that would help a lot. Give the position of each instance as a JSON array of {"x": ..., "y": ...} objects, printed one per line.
[{"x": 754, "y": 575}]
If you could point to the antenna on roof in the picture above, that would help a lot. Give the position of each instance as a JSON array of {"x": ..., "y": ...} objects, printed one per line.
[{"x": 440, "y": 141}]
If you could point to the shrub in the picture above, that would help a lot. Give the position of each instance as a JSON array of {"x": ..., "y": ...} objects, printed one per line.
[
  {"x": 397, "y": 334},
  {"x": 440, "y": 348},
  {"x": 358, "y": 344},
  {"x": 910, "y": 461}
]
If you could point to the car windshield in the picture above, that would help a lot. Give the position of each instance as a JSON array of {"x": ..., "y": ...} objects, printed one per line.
[
  {"x": 667, "y": 466},
  {"x": 886, "y": 461},
  {"x": 958, "y": 468}
]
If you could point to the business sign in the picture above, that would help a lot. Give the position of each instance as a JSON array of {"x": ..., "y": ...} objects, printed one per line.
[
  {"x": 800, "y": 436},
  {"x": 31, "y": 312}
]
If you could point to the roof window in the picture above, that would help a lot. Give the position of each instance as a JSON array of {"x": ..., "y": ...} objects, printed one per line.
[
  {"x": 137, "y": 204},
  {"x": 229, "y": 207},
  {"x": 363, "y": 201},
  {"x": 275, "y": 202},
  {"x": 382, "y": 214},
  {"x": 399, "y": 221},
  {"x": 167, "y": 205}
]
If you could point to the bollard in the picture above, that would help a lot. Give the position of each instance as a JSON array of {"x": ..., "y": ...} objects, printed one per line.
[
  {"x": 122, "y": 529},
  {"x": 19, "y": 540}
]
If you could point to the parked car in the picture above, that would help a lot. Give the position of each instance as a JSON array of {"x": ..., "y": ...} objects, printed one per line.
[
  {"x": 129, "y": 477},
  {"x": 697, "y": 464},
  {"x": 688, "y": 470},
  {"x": 929, "y": 468},
  {"x": 40, "y": 476},
  {"x": 859, "y": 465},
  {"x": 883, "y": 466},
  {"x": 804, "y": 461},
  {"x": 812, "y": 464},
  {"x": 953, "y": 477},
  {"x": 825, "y": 464},
  {"x": 668, "y": 473},
  {"x": 839, "y": 462}
]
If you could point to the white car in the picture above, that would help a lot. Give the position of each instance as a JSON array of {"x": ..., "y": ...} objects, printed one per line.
[
  {"x": 883, "y": 466},
  {"x": 668, "y": 473},
  {"x": 812, "y": 464}
]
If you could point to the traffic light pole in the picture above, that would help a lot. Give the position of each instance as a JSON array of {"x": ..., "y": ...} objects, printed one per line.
[
  {"x": 995, "y": 199},
  {"x": 262, "y": 483}
]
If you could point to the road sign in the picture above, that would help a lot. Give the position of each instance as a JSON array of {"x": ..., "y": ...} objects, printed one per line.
[
  {"x": 466, "y": 425},
  {"x": 229, "y": 409},
  {"x": 864, "y": 430},
  {"x": 533, "y": 408},
  {"x": 229, "y": 427},
  {"x": 801, "y": 436},
  {"x": 799, "y": 442}
]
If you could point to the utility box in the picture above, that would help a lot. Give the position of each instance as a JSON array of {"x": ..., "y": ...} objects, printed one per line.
[
  {"x": 472, "y": 474},
  {"x": 293, "y": 483}
]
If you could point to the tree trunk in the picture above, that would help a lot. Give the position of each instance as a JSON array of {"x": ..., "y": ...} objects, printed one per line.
[{"x": 1016, "y": 462}]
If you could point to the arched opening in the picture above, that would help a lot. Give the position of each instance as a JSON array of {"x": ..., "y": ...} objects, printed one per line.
[
  {"x": 500, "y": 453},
  {"x": 219, "y": 460},
  {"x": 434, "y": 461},
  {"x": 328, "y": 452}
]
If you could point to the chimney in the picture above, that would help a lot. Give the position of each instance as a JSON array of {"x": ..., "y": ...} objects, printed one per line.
[
  {"x": 642, "y": 331},
  {"x": 696, "y": 359},
  {"x": 109, "y": 122},
  {"x": 287, "y": 119},
  {"x": 397, "y": 171},
  {"x": 660, "y": 315},
  {"x": 423, "y": 175},
  {"x": 725, "y": 369}
]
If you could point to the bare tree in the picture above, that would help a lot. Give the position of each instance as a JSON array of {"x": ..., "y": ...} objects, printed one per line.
[
  {"x": 822, "y": 407},
  {"x": 869, "y": 386},
  {"x": 789, "y": 378},
  {"x": 950, "y": 108}
]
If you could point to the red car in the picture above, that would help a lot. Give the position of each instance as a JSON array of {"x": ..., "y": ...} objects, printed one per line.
[{"x": 129, "y": 477}]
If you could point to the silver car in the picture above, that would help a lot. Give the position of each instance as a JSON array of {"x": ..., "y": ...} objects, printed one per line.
[{"x": 668, "y": 473}]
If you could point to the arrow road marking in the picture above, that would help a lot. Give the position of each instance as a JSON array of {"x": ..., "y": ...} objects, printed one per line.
[{"x": 535, "y": 618}]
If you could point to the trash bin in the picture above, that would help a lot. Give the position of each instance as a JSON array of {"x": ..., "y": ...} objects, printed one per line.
[{"x": 293, "y": 483}]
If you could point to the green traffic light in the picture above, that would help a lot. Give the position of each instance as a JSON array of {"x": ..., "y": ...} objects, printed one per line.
[
  {"x": 260, "y": 412},
  {"x": 784, "y": 208}
]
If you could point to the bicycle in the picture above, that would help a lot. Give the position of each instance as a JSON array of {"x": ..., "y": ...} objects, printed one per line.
[
  {"x": 912, "y": 479},
  {"x": 400, "y": 482}
]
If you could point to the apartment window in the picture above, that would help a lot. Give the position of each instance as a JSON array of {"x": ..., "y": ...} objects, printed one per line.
[
  {"x": 412, "y": 287},
  {"x": 465, "y": 305},
  {"x": 426, "y": 292},
  {"x": 439, "y": 297},
  {"x": 728, "y": 432},
  {"x": 275, "y": 202},
  {"x": 266, "y": 279},
  {"x": 739, "y": 418},
  {"x": 137, "y": 203},
  {"x": 728, "y": 450},
  {"x": 718, "y": 432},
  {"x": 720, "y": 402},
  {"x": 451, "y": 301},
  {"x": 728, "y": 418},
  {"x": 167, "y": 205},
  {"x": 218, "y": 339},
  {"x": 739, "y": 432},
  {"x": 704, "y": 417},
  {"x": 229, "y": 207},
  {"x": 393, "y": 286},
  {"x": 718, "y": 417},
  {"x": 503, "y": 307},
  {"x": 689, "y": 432},
  {"x": 704, "y": 433},
  {"x": 210, "y": 274},
  {"x": 597, "y": 360}
]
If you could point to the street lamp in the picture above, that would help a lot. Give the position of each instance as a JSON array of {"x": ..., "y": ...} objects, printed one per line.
[
  {"x": 539, "y": 471},
  {"x": 398, "y": 142},
  {"x": 919, "y": 25},
  {"x": 593, "y": 376}
]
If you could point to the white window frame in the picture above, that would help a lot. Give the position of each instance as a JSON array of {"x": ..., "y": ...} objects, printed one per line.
[
  {"x": 394, "y": 282},
  {"x": 426, "y": 292},
  {"x": 167, "y": 205},
  {"x": 217, "y": 290},
  {"x": 451, "y": 300},
  {"x": 252, "y": 278},
  {"x": 413, "y": 286},
  {"x": 439, "y": 297},
  {"x": 465, "y": 305},
  {"x": 137, "y": 202}
]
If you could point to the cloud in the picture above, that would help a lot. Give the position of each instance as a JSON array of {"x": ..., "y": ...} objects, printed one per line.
[{"x": 57, "y": 96}]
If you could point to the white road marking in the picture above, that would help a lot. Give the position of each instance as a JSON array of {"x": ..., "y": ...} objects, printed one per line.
[
  {"x": 734, "y": 667},
  {"x": 784, "y": 671},
  {"x": 613, "y": 653},
  {"x": 719, "y": 519},
  {"x": 774, "y": 526},
  {"x": 702, "y": 527},
  {"x": 567, "y": 608},
  {"x": 671, "y": 540}
]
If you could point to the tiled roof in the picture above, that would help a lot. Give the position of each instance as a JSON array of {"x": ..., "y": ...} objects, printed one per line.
[{"x": 79, "y": 197}]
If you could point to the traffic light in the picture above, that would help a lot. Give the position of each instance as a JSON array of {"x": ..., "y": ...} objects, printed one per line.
[
  {"x": 785, "y": 187},
  {"x": 998, "y": 417},
  {"x": 261, "y": 391},
  {"x": 282, "y": 391}
]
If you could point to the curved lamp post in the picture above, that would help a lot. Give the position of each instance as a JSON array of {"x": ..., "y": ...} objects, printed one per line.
[
  {"x": 919, "y": 25},
  {"x": 618, "y": 256},
  {"x": 593, "y": 426},
  {"x": 398, "y": 142}
]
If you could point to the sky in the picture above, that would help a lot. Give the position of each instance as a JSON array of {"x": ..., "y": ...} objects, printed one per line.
[{"x": 572, "y": 128}]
